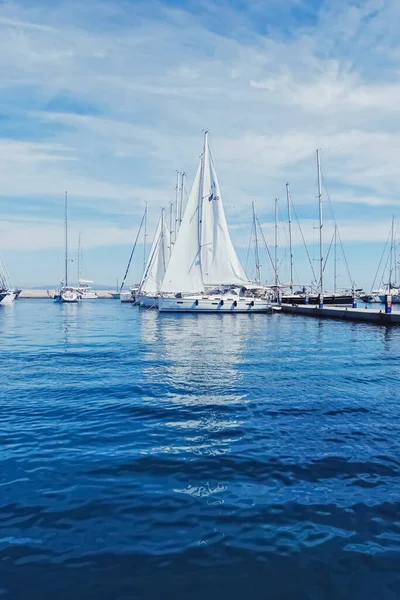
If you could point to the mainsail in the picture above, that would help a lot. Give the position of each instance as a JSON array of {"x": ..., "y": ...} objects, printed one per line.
[
  {"x": 183, "y": 273},
  {"x": 203, "y": 254},
  {"x": 157, "y": 260},
  {"x": 219, "y": 261}
]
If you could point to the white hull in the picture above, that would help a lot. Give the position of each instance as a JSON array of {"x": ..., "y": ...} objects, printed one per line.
[
  {"x": 219, "y": 304},
  {"x": 148, "y": 301},
  {"x": 68, "y": 295},
  {"x": 8, "y": 299},
  {"x": 128, "y": 297},
  {"x": 88, "y": 295}
]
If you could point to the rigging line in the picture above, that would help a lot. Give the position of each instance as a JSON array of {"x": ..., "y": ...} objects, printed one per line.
[
  {"x": 248, "y": 249},
  {"x": 265, "y": 244},
  {"x": 338, "y": 232},
  {"x": 133, "y": 250},
  {"x": 327, "y": 254},
  {"x": 380, "y": 262},
  {"x": 304, "y": 241},
  {"x": 345, "y": 259}
]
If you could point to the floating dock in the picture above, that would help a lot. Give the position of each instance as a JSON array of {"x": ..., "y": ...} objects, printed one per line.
[{"x": 342, "y": 313}]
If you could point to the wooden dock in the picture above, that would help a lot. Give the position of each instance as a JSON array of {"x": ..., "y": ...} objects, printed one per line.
[{"x": 342, "y": 313}]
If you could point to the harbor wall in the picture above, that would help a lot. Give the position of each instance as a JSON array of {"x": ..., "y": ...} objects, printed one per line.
[{"x": 366, "y": 315}]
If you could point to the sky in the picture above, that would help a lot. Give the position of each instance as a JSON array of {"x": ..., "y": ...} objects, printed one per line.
[{"x": 107, "y": 99}]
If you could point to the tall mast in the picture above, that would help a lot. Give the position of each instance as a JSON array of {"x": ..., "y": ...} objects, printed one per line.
[
  {"x": 201, "y": 194},
  {"x": 391, "y": 255},
  {"x": 79, "y": 256},
  {"x": 171, "y": 214},
  {"x": 257, "y": 255},
  {"x": 176, "y": 220},
  {"x": 183, "y": 175},
  {"x": 321, "y": 258},
  {"x": 290, "y": 235},
  {"x": 145, "y": 237},
  {"x": 66, "y": 240},
  {"x": 335, "y": 261},
  {"x": 276, "y": 246}
]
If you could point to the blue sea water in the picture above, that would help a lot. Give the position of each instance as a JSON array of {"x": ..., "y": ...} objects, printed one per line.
[{"x": 148, "y": 456}]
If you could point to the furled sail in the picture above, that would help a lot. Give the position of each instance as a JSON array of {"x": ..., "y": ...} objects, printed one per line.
[{"x": 183, "y": 273}]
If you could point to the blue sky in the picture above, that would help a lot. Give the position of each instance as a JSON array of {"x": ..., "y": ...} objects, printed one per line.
[{"x": 107, "y": 99}]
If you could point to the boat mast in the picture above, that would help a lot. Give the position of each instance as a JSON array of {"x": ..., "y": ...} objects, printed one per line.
[
  {"x": 178, "y": 176},
  {"x": 334, "y": 261},
  {"x": 276, "y": 247},
  {"x": 79, "y": 255},
  {"x": 145, "y": 237},
  {"x": 391, "y": 255},
  {"x": 321, "y": 258},
  {"x": 183, "y": 175},
  {"x": 290, "y": 235},
  {"x": 257, "y": 255},
  {"x": 201, "y": 193},
  {"x": 171, "y": 210},
  {"x": 66, "y": 240}
]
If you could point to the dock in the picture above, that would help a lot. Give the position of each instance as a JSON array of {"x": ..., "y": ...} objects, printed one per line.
[
  {"x": 342, "y": 313},
  {"x": 49, "y": 294}
]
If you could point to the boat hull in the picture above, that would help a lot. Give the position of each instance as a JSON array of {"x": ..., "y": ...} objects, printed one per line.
[
  {"x": 128, "y": 297},
  {"x": 395, "y": 299},
  {"x": 88, "y": 296},
  {"x": 192, "y": 304},
  {"x": 7, "y": 298},
  {"x": 329, "y": 299},
  {"x": 68, "y": 295},
  {"x": 148, "y": 301}
]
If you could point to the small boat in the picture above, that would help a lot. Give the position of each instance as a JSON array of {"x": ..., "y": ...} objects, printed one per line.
[
  {"x": 203, "y": 256},
  {"x": 129, "y": 296},
  {"x": 66, "y": 293},
  {"x": 85, "y": 290}
]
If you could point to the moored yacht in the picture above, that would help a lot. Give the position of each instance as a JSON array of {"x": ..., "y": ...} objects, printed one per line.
[
  {"x": 203, "y": 256},
  {"x": 66, "y": 293}
]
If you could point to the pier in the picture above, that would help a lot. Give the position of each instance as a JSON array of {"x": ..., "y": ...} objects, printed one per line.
[{"x": 342, "y": 313}]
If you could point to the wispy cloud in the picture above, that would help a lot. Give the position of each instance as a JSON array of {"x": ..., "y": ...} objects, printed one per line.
[{"x": 109, "y": 99}]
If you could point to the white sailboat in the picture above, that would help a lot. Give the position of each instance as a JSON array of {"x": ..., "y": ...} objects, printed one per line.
[
  {"x": 66, "y": 293},
  {"x": 84, "y": 285},
  {"x": 204, "y": 258},
  {"x": 7, "y": 290},
  {"x": 156, "y": 265}
]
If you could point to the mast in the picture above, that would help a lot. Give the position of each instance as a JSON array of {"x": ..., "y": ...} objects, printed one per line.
[
  {"x": 176, "y": 220},
  {"x": 66, "y": 240},
  {"x": 334, "y": 261},
  {"x": 79, "y": 255},
  {"x": 183, "y": 175},
  {"x": 201, "y": 195},
  {"x": 321, "y": 258},
  {"x": 145, "y": 237},
  {"x": 290, "y": 235},
  {"x": 170, "y": 226},
  {"x": 276, "y": 247},
  {"x": 391, "y": 255},
  {"x": 257, "y": 255}
]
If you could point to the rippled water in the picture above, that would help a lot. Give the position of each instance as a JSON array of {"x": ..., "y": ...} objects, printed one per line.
[{"x": 231, "y": 456}]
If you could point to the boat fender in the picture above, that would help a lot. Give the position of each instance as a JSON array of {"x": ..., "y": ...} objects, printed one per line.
[
  {"x": 196, "y": 302},
  {"x": 221, "y": 302},
  {"x": 234, "y": 303}
]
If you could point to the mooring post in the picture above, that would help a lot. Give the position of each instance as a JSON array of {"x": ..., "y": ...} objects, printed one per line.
[{"x": 388, "y": 304}]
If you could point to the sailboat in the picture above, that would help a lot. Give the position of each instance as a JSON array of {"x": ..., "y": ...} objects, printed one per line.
[
  {"x": 66, "y": 293},
  {"x": 392, "y": 288},
  {"x": 204, "y": 273},
  {"x": 156, "y": 265},
  {"x": 7, "y": 290},
  {"x": 84, "y": 287}
]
